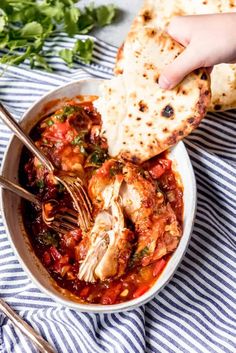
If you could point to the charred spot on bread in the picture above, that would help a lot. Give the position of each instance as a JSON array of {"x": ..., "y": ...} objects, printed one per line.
[
  {"x": 142, "y": 106},
  {"x": 138, "y": 118},
  {"x": 156, "y": 78},
  {"x": 167, "y": 111},
  {"x": 149, "y": 124},
  {"x": 181, "y": 133},
  {"x": 190, "y": 120},
  {"x": 147, "y": 16},
  {"x": 206, "y": 93},
  {"x": 204, "y": 76},
  {"x": 165, "y": 129},
  {"x": 217, "y": 107},
  {"x": 151, "y": 32},
  {"x": 134, "y": 159}
]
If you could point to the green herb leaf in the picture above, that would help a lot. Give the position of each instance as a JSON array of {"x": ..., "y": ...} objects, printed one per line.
[
  {"x": 4, "y": 41},
  {"x": 71, "y": 18},
  {"x": 40, "y": 184},
  {"x": 26, "y": 24},
  {"x": 48, "y": 238},
  {"x": 85, "y": 24},
  {"x": 50, "y": 122},
  {"x": 67, "y": 56},
  {"x": 105, "y": 15},
  {"x": 36, "y": 59},
  {"x": 3, "y": 22},
  {"x": 83, "y": 50},
  {"x": 138, "y": 256},
  {"x": 98, "y": 157},
  {"x": 31, "y": 30}
]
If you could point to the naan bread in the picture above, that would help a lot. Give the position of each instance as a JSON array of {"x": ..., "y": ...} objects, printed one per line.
[
  {"x": 139, "y": 119},
  {"x": 158, "y": 13}
]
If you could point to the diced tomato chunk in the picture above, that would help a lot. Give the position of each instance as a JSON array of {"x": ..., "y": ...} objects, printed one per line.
[
  {"x": 64, "y": 260},
  {"x": 84, "y": 293},
  {"x": 159, "y": 266},
  {"x": 56, "y": 267},
  {"x": 140, "y": 291},
  {"x": 46, "y": 258},
  {"x": 77, "y": 234},
  {"x": 157, "y": 170},
  {"x": 166, "y": 163},
  {"x": 110, "y": 295},
  {"x": 65, "y": 269},
  {"x": 54, "y": 253}
]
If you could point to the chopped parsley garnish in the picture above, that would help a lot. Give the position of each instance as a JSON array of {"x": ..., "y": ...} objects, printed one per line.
[
  {"x": 79, "y": 140},
  {"x": 50, "y": 122},
  {"x": 98, "y": 156},
  {"x": 138, "y": 256},
  {"x": 66, "y": 112},
  {"x": 48, "y": 238},
  {"x": 40, "y": 184}
]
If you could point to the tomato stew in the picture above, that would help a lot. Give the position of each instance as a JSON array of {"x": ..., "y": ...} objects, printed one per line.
[{"x": 70, "y": 138}]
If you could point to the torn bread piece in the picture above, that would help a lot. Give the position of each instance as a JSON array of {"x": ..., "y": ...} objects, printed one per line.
[{"x": 139, "y": 119}]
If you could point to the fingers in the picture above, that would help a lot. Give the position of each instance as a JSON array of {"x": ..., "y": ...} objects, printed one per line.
[
  {"x": 185, "y": 63},
  {"x": 180, "y": 29}
]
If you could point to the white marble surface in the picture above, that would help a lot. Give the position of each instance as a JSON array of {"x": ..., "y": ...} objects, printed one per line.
[{"x": 115, "y": 33}]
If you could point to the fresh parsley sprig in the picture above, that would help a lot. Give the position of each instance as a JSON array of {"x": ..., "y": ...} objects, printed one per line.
[{"x": 26, "y": 24}]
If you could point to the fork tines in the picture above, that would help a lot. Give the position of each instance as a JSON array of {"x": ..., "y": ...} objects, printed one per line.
[{"x": 80, "y": 199}]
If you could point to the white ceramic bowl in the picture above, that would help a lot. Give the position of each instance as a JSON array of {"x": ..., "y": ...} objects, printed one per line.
[{"x": 10, "y": 205}]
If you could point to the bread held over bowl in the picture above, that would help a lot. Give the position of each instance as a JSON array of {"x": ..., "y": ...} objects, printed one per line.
[
  {"x": 139, "y": 119},
  {"x": 158, "y": 14}
]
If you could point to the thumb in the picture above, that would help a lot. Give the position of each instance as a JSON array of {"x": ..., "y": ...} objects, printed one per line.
[{"x": 185, "y": 63}]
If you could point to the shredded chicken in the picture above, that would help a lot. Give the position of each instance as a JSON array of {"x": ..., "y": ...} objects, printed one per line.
[
  {"x": 110, "y": 246},
  {"x": 98, "y": 239}
]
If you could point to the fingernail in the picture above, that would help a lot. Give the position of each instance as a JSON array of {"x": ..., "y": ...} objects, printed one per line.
[{"x": 164, "y": 82}]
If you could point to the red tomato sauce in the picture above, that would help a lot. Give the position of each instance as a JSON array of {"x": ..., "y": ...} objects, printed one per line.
[{"x": 70, "y": 139}]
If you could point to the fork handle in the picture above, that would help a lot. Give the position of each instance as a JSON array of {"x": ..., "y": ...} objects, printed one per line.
[
  {"x": 7, "y": 184},
  {"x": 27, "y": 330},
  {"x": 25, "y": 139}
]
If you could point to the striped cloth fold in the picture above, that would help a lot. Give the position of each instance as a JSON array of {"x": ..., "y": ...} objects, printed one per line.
[{"x": 196, "y": 311}]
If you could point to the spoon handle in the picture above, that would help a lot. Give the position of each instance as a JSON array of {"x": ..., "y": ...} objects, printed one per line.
[
  {"x": 17, "y": 189},
  {"x": 26, "y": 140},
  {"x": 27, "y": 330}
]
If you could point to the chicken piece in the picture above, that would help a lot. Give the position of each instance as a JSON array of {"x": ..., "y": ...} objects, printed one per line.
[
  {"x": 101, "y": 185},
  {"x": 116, "y": 257},
  {"x": 155, "y": 222},
  {"x": 110, "y": 245},
  {"x": 98, "y": 240}
]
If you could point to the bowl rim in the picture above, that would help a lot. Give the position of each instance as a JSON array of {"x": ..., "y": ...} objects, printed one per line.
[{"x": 99, "y": 308}]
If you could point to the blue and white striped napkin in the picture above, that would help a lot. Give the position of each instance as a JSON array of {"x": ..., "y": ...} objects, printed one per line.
[{"x": 196, "y": 312}]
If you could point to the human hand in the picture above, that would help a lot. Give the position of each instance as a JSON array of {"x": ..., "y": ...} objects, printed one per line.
[{"x": 209, "y": 40}]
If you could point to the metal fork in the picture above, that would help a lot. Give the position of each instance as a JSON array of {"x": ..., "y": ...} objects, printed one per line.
[
  {"x": 42, "y": 345},
  {"x": 63, "y": 221},
  {"x": 72, "y": 183}
]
